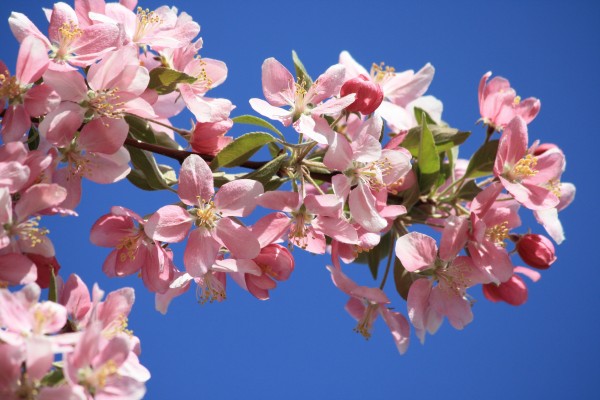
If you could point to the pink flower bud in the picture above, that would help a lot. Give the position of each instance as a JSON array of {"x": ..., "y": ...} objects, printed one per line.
[
  {"x": 209, "y": 137},
  {"x": 536, "y": 250},
  {"x": 369, "y": 94},
  {"x": 513, "y": 291},
  {"x": 276, "y": 263}
]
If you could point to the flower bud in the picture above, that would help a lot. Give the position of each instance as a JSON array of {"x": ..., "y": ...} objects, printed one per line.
[
  {"x": 536, "y": 250},
  {"x": 369, "y": 94},
  {"x": 209, "y": 137},
  {"x": 513, "y": 291},
  {"x": 276, "y": 263}
]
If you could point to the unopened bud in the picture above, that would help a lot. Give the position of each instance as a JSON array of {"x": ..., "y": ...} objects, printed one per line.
[
  {"x": 513, "y": 291},
  {"x": 536, "y": 250},
  {"x": 369, "y": 94}
]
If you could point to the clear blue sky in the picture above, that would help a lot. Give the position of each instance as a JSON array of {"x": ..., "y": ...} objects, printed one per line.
[{"x": 300, "y": 344}]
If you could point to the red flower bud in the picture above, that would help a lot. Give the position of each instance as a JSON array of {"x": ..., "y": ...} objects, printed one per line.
[
  {"x": 368, "y": 94},
  {"x": 536, "y": 250},
  {"x": 513, "y": 291},
  {"x": 44, "y": 265}
]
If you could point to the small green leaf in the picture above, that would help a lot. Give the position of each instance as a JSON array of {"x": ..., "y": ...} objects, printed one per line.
[
  {"x": 444, "y": 137},
  {"x": 33, "y": 138},
  {"x": 267, "y": 171},
  {"x": 301, "y": 73},
  {"x": 140, "y": 129},
  {"x": 164, "y": 80},
  {"x": 373, "y": 260},
  {"x": 241, "y": 149},
  {"x": 420, "y": 113},
  {"x": 482, "y": 162},
  {"x": 53, "y": 378},
  {"x": 428, "y": 164},
  {"x": 403, "y": 279},
  {"x": 144, "y": 162},
  {"x": 256, "y": 121},
  {"x": 469, "y": 190},
  {"x": 274, "y": 183},
  {"x": 53, "y": 288}
]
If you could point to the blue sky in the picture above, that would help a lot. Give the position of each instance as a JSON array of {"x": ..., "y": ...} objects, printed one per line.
[{"x": 300, "y": 344}]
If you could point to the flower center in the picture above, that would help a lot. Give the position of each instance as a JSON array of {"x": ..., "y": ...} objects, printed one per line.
[
  {"x": 524, "y": 168},
  {"x": 497, "y": 234},
  {"x": 146, "y": 21},
  {"x": 68, "y": 34},
  {"x": 299, "y": 230},
  {"x": 210, "y": 288},
  {"x": 206, "y": 214},
  {"x": 104, "y": 103},
  {"x": 10, "y": 88},
  {"x": 365, "y": 324},
  {"x": 31, "y": 231},
  {"x": 381, "y": 72}
]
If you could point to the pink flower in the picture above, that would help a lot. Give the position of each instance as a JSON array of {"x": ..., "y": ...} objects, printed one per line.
[
  {"x": 69, "y": 43},
  {"x": 134, "y": 250},
  {"x": 369, "y": 95},
  {"x": 214, "y": 228},
  {"x": 530, "y": 179},
  {"x": 428, "y": 304},
  {"x": 310, "y": 219},
  {"x": 402, "y": 91},
  {"x": 209, "y": 137},
  {"x": 25, "y": 100},
  {"x": 536, "y": 250},
  {"x": 499, "y": 103},
  {"x": 281, "y": 89},
  {"x": 366, "y": 303},
  {"x": 513, "y": 291}
]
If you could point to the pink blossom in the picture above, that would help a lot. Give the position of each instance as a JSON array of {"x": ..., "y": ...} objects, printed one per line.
[
  {"x": 69, "y": 43},
  {"x": 211, "y": 216},
  {"x": 209, "y": 137},
  {"x": 25, "y": 100},
  {"x": 366, "y": 303},
  {"x": 402, "y": 91},
  {"x": 133, "y": 250},
  {"x": 491, "y": 222},
  {"x": 281, "y": 89},
  {"x": 428, "y": 304},
  {"x": 309, "y": 220},
  {"x": 499, "y": 103},
  {"x": 531, "y": 180}
]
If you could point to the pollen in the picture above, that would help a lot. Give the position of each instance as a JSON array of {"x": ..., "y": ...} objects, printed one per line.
[
  {"x": 380, "y": 72},
  {"x": 497, "y": 234},
  {"x": 517, "y": 100},
  {"x": 69, "y": 31},
  {"x": 146, "y": 22},
  {"x": 206, "y": 214},
  {"x": 365, "y": 324},
  {"x": 104, "y": 103},
  {"x": 299, "y": 230},
  {"x": 203, "y": 80},
  {"x": 554, "y": 187},
  {"x": 210, "y": 289},
  {"x": 525, "y": 167},
  {"x": 32, "y": 232},
  {"x": 10, "y": 87},
  {"x": 127, "y": 247}
]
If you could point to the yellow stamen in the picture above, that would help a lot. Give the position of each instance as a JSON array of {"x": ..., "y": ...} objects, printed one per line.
[
  {"x": 517, "y": 100},
  {"x": 10, "y": 87},
  {"x": 497, "y": 234},
  {"x": 380, "y": 72},
  {"x": 525, "y": 167},
  {"x": 206, "y": 213},
  {"x": 146, "y": 21},
  {"x": 365, "y": 324}
]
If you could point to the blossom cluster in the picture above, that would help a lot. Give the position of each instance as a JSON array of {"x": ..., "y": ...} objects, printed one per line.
[{"x": 366, "y": 160}]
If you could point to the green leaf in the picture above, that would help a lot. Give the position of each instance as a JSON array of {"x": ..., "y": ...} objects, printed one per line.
[
  {"x": 164, "y": 80},
  {"x": 241, "y": 149},
  {"x": 53, "y": 378},
  {"x": 256, "y": 121},
  {"x": 482, "y": 162},
  {"x": 444, "y": 137},
  {"x": 428, "y": 164},
  {"x": 145, "y": 163},
  {"x": 267, "y": 171},
  {"x": 140, "y": 129},
  {"x": 403, "y": 279},
  {"x": 274, "y": 183},
  {"x": 53, "y": 288},
  {"x": 33, "y": 138},
  {"x": 301, "y": 73},
  {"x": 373, "y": 260},
  {"x": 420, "y": 113},
  {"x": 469, "y": 190}
]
